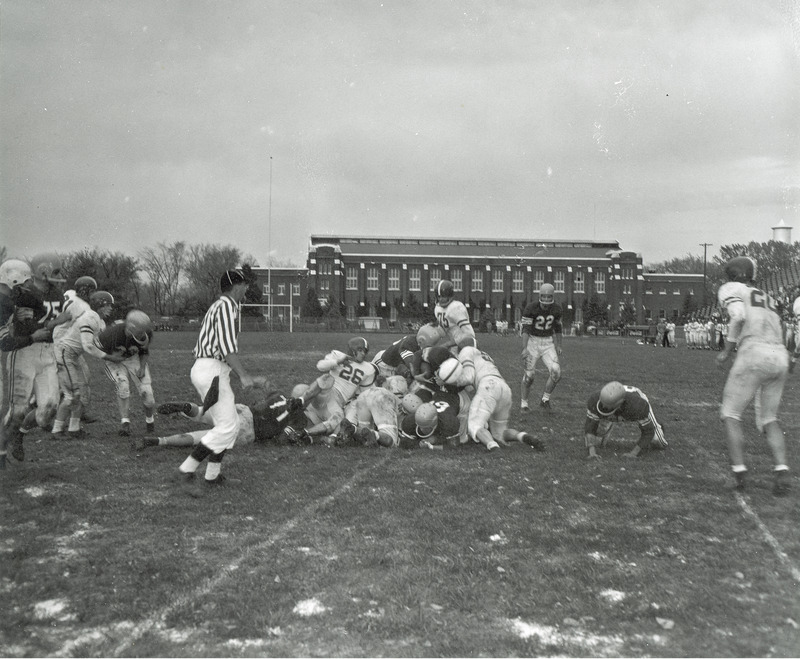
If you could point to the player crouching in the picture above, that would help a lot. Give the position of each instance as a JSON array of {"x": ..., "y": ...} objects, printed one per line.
[{"x": 616, "y": 402}]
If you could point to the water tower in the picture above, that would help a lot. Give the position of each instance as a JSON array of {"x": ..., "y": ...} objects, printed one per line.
[{"x": 782, "y": 233}]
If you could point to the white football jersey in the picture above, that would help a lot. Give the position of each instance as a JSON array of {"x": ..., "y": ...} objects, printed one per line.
[
  {"x": 74, "y": 307},
  {"x": 796, "y": 307},
  {"x": 350, "y": 377},
  {"x": 454, "y": 320},
  {"x": 754, "y": 314},
  {"x": 477, "y": 365}
]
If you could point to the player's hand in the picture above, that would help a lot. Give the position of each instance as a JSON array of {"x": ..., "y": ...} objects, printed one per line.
[
  {"x": 722, "y": 358},
  {"x": 246, "y": 380},
  {"x": 40, "y": 335},
  {"x": 559, "y": 350}
]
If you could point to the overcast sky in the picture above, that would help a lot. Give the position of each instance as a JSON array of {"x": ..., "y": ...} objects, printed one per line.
[{"x": 661, "y": 125}]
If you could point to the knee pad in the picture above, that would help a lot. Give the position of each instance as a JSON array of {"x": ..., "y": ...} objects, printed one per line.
[
  {"x": 555, "y": 373},
  {"x": 527, "y": 380},
  {"x": 123, "y": 389}
]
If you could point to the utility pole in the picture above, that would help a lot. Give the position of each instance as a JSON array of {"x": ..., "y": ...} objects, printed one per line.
[
  {"x": 705, "y": 247},
  {"x": 269, "y": 250}
]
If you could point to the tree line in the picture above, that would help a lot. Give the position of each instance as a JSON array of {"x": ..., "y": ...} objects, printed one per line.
[{"x": 182, "y": 280}]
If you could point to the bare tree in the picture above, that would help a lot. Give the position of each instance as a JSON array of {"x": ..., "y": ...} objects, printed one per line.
[
  {"x": 164, "y": 265},
  {"x": 204, "y": 265}
]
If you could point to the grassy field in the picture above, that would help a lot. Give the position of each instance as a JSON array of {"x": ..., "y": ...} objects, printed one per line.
[{"x": 376, "y": 553}]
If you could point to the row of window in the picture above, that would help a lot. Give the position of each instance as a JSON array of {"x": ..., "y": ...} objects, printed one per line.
[
  {"x": 281, "y": 290},
  {"x": 476, "y": 279}
]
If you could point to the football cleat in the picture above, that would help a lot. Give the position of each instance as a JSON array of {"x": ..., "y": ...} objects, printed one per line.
[
  {"x": 16, "y": 449},
  {"x": 125, "y": 430},
  {"x": 221, "y": 479},
  {"x": 347, "y": 433},
  {"x": 366, "y": 437},
  {"x": 533, "y": 442},
  {"x": 89, "y": 418},
  {"x": 545, "y": 405},
  {"x": 145, "y": 442},
  {"x": 150, "y": 428},
  {"x": 741, "y": 480},
  {"x": 175, "y": 408},
  {"x": 780, "y": 483},
  {"x": 491, "y": 446}
]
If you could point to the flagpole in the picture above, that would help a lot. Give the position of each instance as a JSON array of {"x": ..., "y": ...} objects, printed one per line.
[{"x": 269, "y": 250}]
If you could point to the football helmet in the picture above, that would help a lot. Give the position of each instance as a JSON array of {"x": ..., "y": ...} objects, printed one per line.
[
  {"x": 14, "y": 272},
  {"x": 138, "y": 324},
  {"x": 100, "y": 299},
  {"x": 397, "y": 385},
  {"x": 742, "y": 269},
  {"x": 85, "y": 286},
  {"x": 48, "y": 267},
  {"x": 357, "y": 343},
  {"x": 427, "y": 418},
  {"x": 611, "y": 397},
  {"x": 450, "y": 371},
  {"x": 410, "y": 403},
  {"x": 445, "y": 292},
  {"x": 300, "y": 390},
  {"x": 547, "y": 295},
  {"x": 427, "y": 336}
]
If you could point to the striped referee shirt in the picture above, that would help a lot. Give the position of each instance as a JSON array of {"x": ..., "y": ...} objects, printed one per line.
[{"x": 218, "y": 331}]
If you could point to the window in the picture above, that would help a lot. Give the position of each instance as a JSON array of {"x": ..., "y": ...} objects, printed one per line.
[
  {"x": 435, "y": 277},
  {"x": 372, "y": 278},
  {"x": 497, "y": 280},
  {"x": 296, "y": 290},
  {"x": 600, "y": 282},
  {"x": 457, "y": 277},
  {"x": 627, "y": 273},
  {"x": 627, "y": 289},
  {"x": 351, "y": 312},
  {"x": 476, "y": 315},
  {"x": 518, "y": 282},
  {"x": 324, "y": 286},
  {"x": 394, "y": 278},
  {"x": 662, "y": 290},
  {"x": 558, "y": 281},
  {"x": 265, "y": 290},
  {"x": 393, "y": 315},
  {"x": 325, "y": 267},
  {"x": 281, "y": 289},
  {"x": 578, "y": 282},
  {"x": 351, "y": 283},
  {"x": 677, "y": 291},
  {"x": 414, "y": 279},
  {"x": 538, "y": 279},
  {"x": 690, "y": 291},
  {"x": 477, "y": 280}
]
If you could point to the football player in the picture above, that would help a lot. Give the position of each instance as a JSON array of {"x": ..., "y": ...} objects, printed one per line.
[
  {"x": 490, "y": 408},
  {"x": 376, "y": 413},
  {"x": 351, "y": 373},
  {"x": 616, "y": 402},
  {"x": 541, "y": 339},
  {"x": 398, "y": 358},
  {"x": 32, "y": 369},
  {"x": 453, "y": 317},
  {"x": 126, "y": 351},
  {"x": 72, "y": 368},
  {"x": 432, "y": 426},
  {"x": 759, "y": 370}
]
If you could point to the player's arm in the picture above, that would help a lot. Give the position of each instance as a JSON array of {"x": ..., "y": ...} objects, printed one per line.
[
  {"x": 525, "y": 324},
  {"x": 591, "y": 437},
  {"x": 737, "y": 312},
  {"x": 558, "y": 334}
]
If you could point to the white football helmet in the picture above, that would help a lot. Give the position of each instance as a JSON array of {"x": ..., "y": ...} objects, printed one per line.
[
  {"x": 450, "y": 371},
  {"x": 611, "y": 397},
  {"x": 547, "y": 295},
  {"x": 397, "y": 385},
  {"x": 14, "y": 272},
  {"x": 427, "y": 418},
  {"x": 138, "y": 324},
  {"x": 411, "y": 402},
  {"x": 299, "y": 390}
]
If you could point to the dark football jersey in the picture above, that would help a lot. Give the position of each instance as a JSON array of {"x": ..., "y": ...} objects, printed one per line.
[
  {"x": 271, "y": 414},
  {"x": 634, "y": 408},
  {"x": 401, "y": 351},
  {"x": 446, "y": 432},
  {"x": 114, "y": 337},
  {"x": 541, "y": 321}
]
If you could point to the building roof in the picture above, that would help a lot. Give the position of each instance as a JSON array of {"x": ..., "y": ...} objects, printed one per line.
[{"x": 472, "y": 248}]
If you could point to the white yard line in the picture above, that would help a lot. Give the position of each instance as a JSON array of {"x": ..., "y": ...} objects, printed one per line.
[
  {"x": 155, "y": 620},
  {"x": 768, "y": 537},
  {"x": 753, "y": 515}
]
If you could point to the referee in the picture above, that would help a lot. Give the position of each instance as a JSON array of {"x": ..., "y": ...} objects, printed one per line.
[{"x": 216, "y": 354}]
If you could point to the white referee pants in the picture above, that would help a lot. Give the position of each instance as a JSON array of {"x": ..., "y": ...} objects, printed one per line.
[{"x": 223, "y": 414}]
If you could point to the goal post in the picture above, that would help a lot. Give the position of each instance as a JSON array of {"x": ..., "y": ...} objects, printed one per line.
[{"x": 269, "y": 316}]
